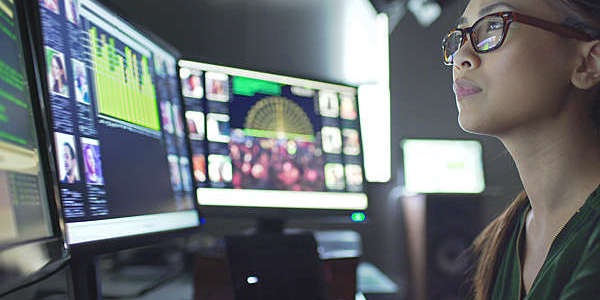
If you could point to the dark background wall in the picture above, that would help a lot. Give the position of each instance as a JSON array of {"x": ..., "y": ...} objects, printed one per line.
[{"x": 316, "y": 39}]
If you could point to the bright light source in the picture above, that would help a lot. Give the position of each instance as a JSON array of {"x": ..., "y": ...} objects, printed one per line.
[
  {"x": 374, "y": 105},
  {"x": 358, "y": 217},
  {"x": 443, "y": 166},
  {"x": 425, "y": 11},
  {"x": 252, "y": 279},
  {"x": 375, "y": 108},
  {"x": 359, "y": 49}
]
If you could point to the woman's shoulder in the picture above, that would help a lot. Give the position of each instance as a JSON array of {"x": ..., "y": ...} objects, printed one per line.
[{"x": 583, "y": 250}]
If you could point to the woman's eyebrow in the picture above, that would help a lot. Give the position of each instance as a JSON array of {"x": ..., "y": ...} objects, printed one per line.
[{"x": 487, "y": 10}]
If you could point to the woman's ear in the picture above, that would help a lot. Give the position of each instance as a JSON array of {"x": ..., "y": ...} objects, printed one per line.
[{"x": 587, "y": 74}]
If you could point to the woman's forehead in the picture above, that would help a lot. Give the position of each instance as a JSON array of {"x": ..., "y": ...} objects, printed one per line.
[{"x": 547, "y": 9}]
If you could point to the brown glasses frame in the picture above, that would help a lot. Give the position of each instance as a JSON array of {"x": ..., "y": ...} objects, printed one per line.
[{"x": 508, "y": 17}]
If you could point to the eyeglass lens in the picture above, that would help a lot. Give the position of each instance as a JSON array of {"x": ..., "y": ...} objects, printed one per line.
[{"x": 487, "y": 35}]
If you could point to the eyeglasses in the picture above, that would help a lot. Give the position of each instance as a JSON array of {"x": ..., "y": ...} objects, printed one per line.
[{"x": 489, "y": 32}]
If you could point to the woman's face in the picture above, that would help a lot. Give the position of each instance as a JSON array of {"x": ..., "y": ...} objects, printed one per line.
[
  {"x": 90, "y": 160},
  {"x": 68, "y": 159},
  {"x": 56, "y": 70},
  {"x": 524, "y": 82}
]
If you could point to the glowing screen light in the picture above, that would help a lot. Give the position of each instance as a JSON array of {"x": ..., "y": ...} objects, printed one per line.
[
  {"x": 358, "y": 217},
  {"x": 443, "y": 166}
]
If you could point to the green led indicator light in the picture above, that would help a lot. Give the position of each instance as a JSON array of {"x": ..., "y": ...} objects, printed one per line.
[{"x": 358, "y": 217}]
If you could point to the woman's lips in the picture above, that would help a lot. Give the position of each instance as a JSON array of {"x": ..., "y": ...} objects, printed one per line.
[{"x": 464, "y": 88}]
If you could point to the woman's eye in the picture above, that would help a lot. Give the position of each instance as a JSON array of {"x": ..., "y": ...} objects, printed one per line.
[{"x": 494, "y": 26}]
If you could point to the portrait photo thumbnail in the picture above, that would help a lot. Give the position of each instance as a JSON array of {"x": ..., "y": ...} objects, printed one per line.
[
  {"x": 348, "y": 109},
  {"x": 219, "y": 168},
  {"x": 80, "y": 82},
  {"x": 90, "y": 151},
  {"x": 191, "y": 83},
  {"x": 51, "y": 5},
  {"x": 329, "y": 105},
  {"x": 217, "y": 128},
  {"x": 217, "y": 86},
  {"x": 199, "y": 167},
  {"x": 331, "y": 139},
  {"x": 195, "y": 122},
  {"x": 72, "y": 11},
  {"x": 175, "y": 172},
  {"x": 57, "y": 73},
  {"x": 334, "y": 176},
  {"x": 68, "y": 167},
  {"x": 351, "y": 141}
]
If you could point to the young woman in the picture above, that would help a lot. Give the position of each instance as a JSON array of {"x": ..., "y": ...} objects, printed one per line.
[
  {"x": 528, "y": 73},
  {"x": 58, "y": 76}
]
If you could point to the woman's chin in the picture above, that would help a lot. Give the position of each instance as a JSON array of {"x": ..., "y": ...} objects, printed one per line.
[{"x": 477, "y": 125}]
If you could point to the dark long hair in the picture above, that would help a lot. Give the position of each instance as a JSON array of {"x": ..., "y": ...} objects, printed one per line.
[
  {"x": 487, "y": 246},
  {"x": 58, "y": 61}
]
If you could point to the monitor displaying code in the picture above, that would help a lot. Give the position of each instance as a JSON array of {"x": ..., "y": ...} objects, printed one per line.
[{"x": 23, "y": 198}]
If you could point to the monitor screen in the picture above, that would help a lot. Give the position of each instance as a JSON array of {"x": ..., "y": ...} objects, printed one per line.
[
  {"x": 264, "y": 140},
  {"x": 119, "y": 136},
  {"x": 443, "y": 166},
  {"x": 24, "y": 213}
]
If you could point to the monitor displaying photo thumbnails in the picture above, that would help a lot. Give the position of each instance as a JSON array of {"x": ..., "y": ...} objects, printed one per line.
[{"x": 264, "y": 140}]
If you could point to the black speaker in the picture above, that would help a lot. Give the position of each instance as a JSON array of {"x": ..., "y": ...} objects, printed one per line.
[{"x": 439, "y": 230}]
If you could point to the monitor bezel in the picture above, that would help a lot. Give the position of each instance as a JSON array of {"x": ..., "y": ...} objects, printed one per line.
[
  {"x": 467, "y": 195},
  {"x": 53, "y": 250},
  {"x": 319, "y": 215},
  {"x": 109, "y": 245}
]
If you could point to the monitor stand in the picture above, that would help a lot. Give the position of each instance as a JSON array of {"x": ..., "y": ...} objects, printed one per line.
[{"x": 84, "y": 272}]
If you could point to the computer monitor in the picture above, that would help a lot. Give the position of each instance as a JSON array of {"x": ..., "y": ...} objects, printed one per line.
[
  {"x": 438, "y": 166},
  {"x": 31, "y": 242},
  {"x": 115, "y": 108},
  {"x": 263, "y": 141}
]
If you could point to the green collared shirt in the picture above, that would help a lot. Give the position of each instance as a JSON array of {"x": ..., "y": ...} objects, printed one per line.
[{"x": 571, "y": 269}]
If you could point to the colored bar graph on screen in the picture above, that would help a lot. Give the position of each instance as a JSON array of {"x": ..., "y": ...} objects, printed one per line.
[{"x": 124, "y": 88}]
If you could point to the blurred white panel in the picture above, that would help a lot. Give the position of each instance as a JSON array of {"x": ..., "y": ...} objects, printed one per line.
[{"x": 375, "y": 107}]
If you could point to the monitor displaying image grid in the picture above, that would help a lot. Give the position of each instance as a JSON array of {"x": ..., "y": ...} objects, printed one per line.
[
  {"x": 265, "y": 140},
  {"x": 119, "y": 137}
]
